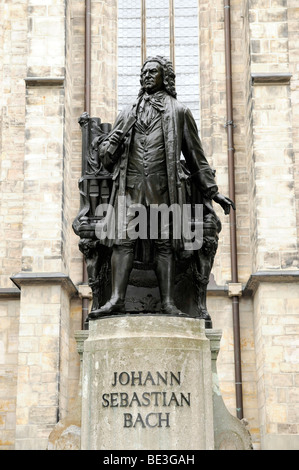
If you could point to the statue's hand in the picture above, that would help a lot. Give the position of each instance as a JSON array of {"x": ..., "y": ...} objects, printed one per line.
[
  {"x": 224, "y": 202},
  {"x": 116, "y": 137}
]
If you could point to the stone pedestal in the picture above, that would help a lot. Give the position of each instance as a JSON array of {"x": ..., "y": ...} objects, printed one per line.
[
  {"x": 229, "y": 432},
  {"x": 147, "y": 384}
]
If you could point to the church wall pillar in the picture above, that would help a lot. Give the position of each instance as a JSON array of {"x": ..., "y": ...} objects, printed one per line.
[
  {"x": 45, "y": 289},
  {"x": 43, "y": 357},
  {"x": 214, "y": 139},
  {"x": 274, "y": 238},
  {"x": 104, "y": 59}
]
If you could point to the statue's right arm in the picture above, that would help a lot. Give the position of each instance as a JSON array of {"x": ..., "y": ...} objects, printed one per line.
[{"x": 114, "y": 138}]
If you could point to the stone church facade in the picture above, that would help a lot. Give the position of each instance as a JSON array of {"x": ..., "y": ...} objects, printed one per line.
[{"x": 43, "y": 92}]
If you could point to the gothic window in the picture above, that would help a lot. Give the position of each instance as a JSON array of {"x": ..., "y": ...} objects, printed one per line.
[{"x": 159, "y": 27}]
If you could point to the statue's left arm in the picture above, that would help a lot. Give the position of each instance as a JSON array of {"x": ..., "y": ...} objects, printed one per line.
[{"x": 201, "y": 172}]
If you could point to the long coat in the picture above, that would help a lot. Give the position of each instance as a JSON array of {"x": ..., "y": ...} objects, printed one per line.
[{"x": 180, "y": 137}]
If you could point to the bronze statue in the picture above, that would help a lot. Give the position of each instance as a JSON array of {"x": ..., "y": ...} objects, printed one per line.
[{"x": 142, "y": 155}]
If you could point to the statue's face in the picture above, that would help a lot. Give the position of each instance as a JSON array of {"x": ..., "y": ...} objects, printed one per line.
[{"x": 152, "y": 77}]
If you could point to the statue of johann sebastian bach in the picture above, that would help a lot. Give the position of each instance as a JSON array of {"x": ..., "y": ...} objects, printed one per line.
[{"x": 147, "y": 170}]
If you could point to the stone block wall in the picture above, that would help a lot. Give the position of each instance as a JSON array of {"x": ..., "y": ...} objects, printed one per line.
[
  {"x": 276, "y": 343},
  {"x": 213, "y": 114},
  {"x": 9, "y": 336},
  {"x": 293, "y": 25},
  {"x": 36, "y": 368},
  {"x": 214, "y": 138},
  {"x": 269, "y": 35},
  {"x": 274, "y": 217},
  {"x": 43, "y": 179},
  {"x": 42, "y": 97},
  {"x": 43, "y": 358},
  {"x": 104, "y": 60},
  {"x": 265, "y": 81},
  {"x": 213, "y": 124},
  {"x": 275, "y": 209},
  {"x": 13, "y": 47},
  {"x": 74, "y": 107},
  {"x": 221, "y": 310},
  {"x": 13, "y": 53}
]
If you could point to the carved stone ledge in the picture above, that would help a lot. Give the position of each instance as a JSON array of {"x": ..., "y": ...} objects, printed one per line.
[
  {"x": 271, "y": 78},
  {"x": 214, "y": 289},
  {"x": 9, "y": 293},
  {"x": 269, "y": 276},
  {"x": 45, "y": 278},
  {"x": 44, "y": 81}
]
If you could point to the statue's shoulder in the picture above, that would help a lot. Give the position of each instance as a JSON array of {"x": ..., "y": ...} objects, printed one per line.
[
  {"x": 127, "y": 109},
  {"x": 178, "y": 105},
  {"x": 123, "y": 114}
]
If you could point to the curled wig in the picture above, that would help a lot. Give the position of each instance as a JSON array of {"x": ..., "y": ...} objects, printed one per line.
[{"x": 168, "y": 74}]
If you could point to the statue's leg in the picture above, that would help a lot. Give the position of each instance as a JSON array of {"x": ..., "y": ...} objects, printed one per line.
[
  {"x": 165, "y": 271},
  {"x": 203, "y": 311},
  {"x": 121, "y": 266},
  {"x": 202, "y": 274},
  {"x": 93, "y": 264}
]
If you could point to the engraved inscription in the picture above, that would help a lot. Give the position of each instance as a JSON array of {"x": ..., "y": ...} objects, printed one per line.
[{"x": 157, "y": 401}]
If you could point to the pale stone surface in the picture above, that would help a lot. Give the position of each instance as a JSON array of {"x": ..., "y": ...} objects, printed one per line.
[
  {"x": 104, "y": 60},
  {"x": 235, "y": 289},
  {"x": 43, "y": 356},
  {"x": 66, "y": 435},
  {"x": 276, "y": 340},
  {"x": 85, "y": 291},
  {"x": 141, "y": 411},
  {"x": 68, "y": 438},
  {"x": 9, "y": 329},
  {"x": 229, "y": 432}
]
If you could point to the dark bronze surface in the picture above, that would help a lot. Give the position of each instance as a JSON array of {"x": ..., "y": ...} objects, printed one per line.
[{"x": 140, "y": 158}]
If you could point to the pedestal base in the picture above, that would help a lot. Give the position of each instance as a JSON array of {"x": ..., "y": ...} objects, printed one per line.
[
  {"x": 147, "y": 384},
  {"x": 229, "y": 432}
]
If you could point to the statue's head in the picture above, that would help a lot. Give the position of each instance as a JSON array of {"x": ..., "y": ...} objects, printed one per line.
[{"x": 157, "y": 74}]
